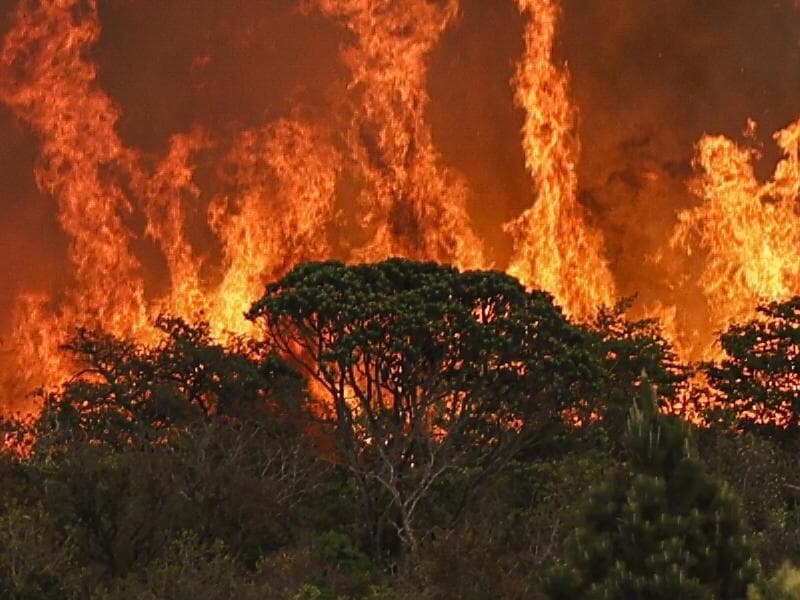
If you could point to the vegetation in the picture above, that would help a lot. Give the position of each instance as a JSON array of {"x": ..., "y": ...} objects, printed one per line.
[
  {"x": 759, "y": 378},
  {"x": 658, "y": 528},
  {"x": 404, "y": 430}
]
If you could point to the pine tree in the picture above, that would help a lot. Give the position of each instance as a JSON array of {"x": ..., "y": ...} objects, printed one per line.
[{"x": 660, "y": 528}]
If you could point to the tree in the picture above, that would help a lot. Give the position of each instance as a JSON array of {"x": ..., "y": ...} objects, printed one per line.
[
  {"x": 631, "y": 349},
  {"x": 189, "y": 568},
  {"x": 421, "y": 369},
  {"x": 126, "y": 393},
  {"x": 759, "y": 379},
  {"x": 36, "y": 562},
  {"x": 660, "y": 529}
]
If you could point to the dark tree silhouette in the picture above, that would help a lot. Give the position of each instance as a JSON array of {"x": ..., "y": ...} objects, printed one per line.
[
  {"x": 759, "y": 379},
  {"x": 424, "y": 369}
]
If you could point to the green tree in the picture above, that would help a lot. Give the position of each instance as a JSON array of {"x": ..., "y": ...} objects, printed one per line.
[
  {"x": 764, "y": 475},
  {"x": 127, "y": 392},
  {"x": 36, "y": 562},
  {"x": 424, "y": 369},
  {"x": 189, "y": 568},
  {"x": 759, "y": 379},
  {"x": 660, "y": 529},
  {"x": 630, "y": 349},
  {"x": 189, "y": 434}
]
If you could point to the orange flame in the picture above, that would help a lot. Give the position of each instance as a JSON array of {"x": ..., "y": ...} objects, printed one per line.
[
  {"x": 554, "y": 248},
  {"x": 84, "y": 165},
  {"x": 749, "y": 231},
  {"x": 284, "y": 178},
  {"x": 415, "y": 207},
  {"x": 278, "y": 199}
]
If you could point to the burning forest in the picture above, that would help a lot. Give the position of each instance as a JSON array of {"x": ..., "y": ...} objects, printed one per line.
[
  {"x": 170, "y": 161},
  {"x": 334, "y": 299}
]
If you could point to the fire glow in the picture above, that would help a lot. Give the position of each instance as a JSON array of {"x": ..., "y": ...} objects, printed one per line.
[{"x": 278, "y": 189}]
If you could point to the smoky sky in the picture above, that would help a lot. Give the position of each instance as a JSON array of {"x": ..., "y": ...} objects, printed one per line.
[{"x": 649, "y": 77}]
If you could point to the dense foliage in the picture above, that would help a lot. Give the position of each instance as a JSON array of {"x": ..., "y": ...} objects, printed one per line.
[
  {"x": 661, "y": 528},
  {"x": 760, "y": 376},
  {"x": 403, "y": 430},
  {"x": 443, "y": 369}
]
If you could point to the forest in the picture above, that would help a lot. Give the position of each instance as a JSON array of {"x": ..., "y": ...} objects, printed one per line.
[{"x": 405, "y": 430}]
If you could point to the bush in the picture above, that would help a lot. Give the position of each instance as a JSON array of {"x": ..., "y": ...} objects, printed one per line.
[
  {"x": 662, "y": 528},
  {"x": 784, "y": 585}
]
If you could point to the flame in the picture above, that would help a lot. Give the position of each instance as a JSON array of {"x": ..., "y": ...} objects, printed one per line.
[
  {"x": 284, "y": 179},
  {"x": 279, "y": 198},
  {"x": 279, "y": 180},
  {"x": 165, "y": 195},
  {"x": 749, "y": 231},
  {"x": 84, "y": 165},
  {"x": 554, "y": 248},
  {"x": 415, "y": 207},
  {"x": 283, "y": 197}
]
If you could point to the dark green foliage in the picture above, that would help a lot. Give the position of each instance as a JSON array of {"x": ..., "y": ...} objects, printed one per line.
[
  {"x": 201, "y": 469},
  {"x": 444, "y": 368},
  {"x": 512, "y": 530},
  {"x": 660, "y": 529},
  {"x": 36, "y": 563},
  {"x": 128, "y": 393},
  {"x": 764, "y": 475},
  {"x": 760, "y": 377},
  {"x": 630, "y": 349},
  {"x": 189, "y": 568}
]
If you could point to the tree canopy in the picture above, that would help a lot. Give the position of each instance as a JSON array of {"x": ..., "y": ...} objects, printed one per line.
[
  {"x": 424, "y": 368},
  {"x": 385, "y": 429},
  {"x": 759, "y": 377}
]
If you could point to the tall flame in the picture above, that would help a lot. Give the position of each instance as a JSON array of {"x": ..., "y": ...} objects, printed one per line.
[
  {"x": 165, "y": 195},
  {"x": 84, "y": 165},
  {"x": 283, "y": 187},
  {"x": 415, "y": 207},
  {"x": 554, "y": 247},
  {"x": 749, "y": 230},
  {"x": 281, "y": 201}
]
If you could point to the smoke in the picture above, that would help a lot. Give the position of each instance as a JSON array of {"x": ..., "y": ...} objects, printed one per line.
[{"x": 650, "y": 79}]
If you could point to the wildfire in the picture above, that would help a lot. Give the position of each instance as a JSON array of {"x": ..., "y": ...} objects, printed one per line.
[
  {"x": 554, "y": 248},
  {"x": 750, "y": 231},
  {"x": 415, "y": 207},
  {"x": 84, "y": 165},
  {"x": 282, "y": 198},
  {"x": 283, "y": 180},
  {"x": 370, "y": 184}
]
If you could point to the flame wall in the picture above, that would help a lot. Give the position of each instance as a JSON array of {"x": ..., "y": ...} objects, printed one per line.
[{"x": 160, "y": 155}]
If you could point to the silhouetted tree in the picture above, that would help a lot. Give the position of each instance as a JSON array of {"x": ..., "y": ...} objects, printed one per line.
[
  {"x": 128, "y": 392},
  {"x": 424, "y": 369},
  {"x": 630, "y": 349},
  {"x": 759, "y": 378}
]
